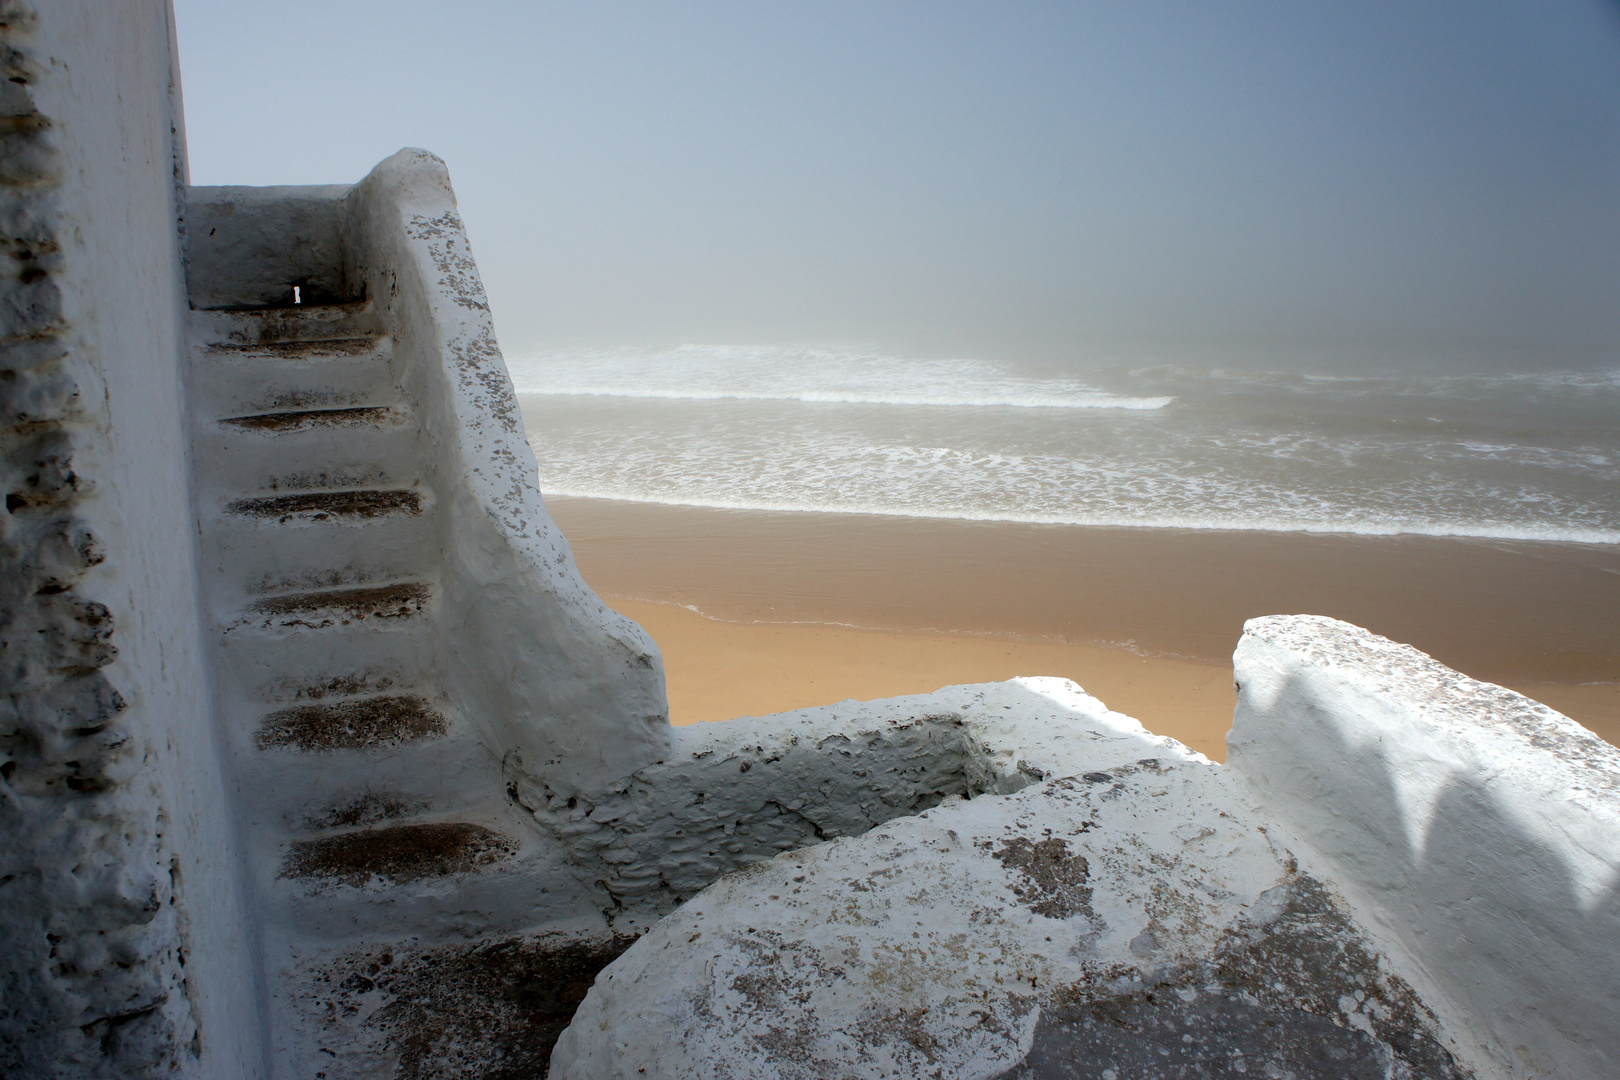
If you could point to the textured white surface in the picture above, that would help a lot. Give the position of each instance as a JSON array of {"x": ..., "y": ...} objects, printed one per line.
[
  {"x": 574, "y": 690},
  {"x": 932, "y": 944},
  {"x": 730, "y": 794},
  {"x": 121, "y": 915},
  {"x": 1477, "y": 828},
  {"x": 997, "y": 853},
  {"x": 377, "y": 745}
]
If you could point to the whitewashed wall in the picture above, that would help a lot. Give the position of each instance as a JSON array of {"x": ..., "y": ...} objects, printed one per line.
[
  {"x": 1476, "y": 829},
  {"x": 575, "y": 690},
  {"x": 121, "y": 916}
]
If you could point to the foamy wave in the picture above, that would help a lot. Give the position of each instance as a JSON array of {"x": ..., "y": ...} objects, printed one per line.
[
  {"x": 1037, "y": 401},
  {"x": 816, "y": 375},
  {"x": 1208, "y": 522},
  {"x": 1492, "y": 457},
  {"x": 1411, "y": 384}
]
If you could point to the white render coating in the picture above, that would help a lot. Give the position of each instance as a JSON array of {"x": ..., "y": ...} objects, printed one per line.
[
  {"x": 1477, "y": 828},
  {"x": 987, "y": 937},
  {"x": 358, "y": 779},
  {"x": 734, "y": 793},
  {"x": 728, "y": 796},
  {"x": 400, "y": 634},
  {"x": 121, "y": 911}
]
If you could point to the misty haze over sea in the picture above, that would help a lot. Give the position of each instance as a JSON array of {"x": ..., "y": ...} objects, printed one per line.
[
  {"x": 1438, "y": 451},
  {"x": 1423, "y": 197}
]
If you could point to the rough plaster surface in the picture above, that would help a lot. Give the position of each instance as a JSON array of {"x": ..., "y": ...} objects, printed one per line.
[
  {"x": 733, "y": 793},
  {"x": 728, "y": 795},
  {"x": 254, "y": 244},
  {"x": 574, "y": 690},
  {"x": 1130, "y": 917},
  {"x": 367, "y": 783},
  {"x": 118, "y": 898},
  {"x": 1474, "y": 827},
  {"x": 400, "y": 636}
]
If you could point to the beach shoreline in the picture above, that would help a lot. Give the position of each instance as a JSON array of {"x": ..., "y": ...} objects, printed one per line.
[{"x": 759, "y": 611}]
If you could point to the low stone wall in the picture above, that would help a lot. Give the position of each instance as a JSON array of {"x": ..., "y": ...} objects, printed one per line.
[
  {"x": 1475, "y": 828},
  {"x": 1132, "y": 916},
  {"x": 735, "y": 793}
]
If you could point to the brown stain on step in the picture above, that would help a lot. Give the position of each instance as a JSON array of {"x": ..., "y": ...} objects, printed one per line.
[
  {"x": 303, "y": 420},
  {"x": 368, "y": 809},
  {"x": 367, "y": 723},
  {"x": 399, "y": 853},
  {"x": 490, "y": 1010},
  {"x": 357, "y": 345},
  {"x": 319, "y": 609},
  {"x": 303, "y": 321},
  {"x": 321, "y": 505}
]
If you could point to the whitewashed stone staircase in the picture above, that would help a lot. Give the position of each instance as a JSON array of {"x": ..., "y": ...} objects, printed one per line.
[
  {"x": 322, "y": 539},
  {"x": 399, "y": 635},
  {"x": 416, "y": 787}
]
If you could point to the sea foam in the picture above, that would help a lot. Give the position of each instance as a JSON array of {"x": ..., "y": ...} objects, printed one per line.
[
  {"x": 838, "y": 376},
  {"x": 1515, "y": 457}
]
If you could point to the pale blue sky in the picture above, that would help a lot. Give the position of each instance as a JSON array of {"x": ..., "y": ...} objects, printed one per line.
[{"x": 1032, "y": 179}]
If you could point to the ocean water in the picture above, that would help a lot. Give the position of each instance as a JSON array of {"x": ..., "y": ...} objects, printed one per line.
[{"x": 1510, "y": 456}]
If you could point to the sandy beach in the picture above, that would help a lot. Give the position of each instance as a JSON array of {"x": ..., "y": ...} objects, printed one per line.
[{"x": 759, "y": 612}]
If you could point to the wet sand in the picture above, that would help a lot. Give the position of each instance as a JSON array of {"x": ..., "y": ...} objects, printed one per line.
[{"x": 806, "y": 609}]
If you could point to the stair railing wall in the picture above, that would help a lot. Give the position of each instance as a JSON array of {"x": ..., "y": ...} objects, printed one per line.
[{"x": 569, "y": 692}]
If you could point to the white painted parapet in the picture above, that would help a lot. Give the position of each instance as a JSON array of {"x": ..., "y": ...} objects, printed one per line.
[
  {"x": 1478, "y": 829},
  {"x": 576, "y": 689}
]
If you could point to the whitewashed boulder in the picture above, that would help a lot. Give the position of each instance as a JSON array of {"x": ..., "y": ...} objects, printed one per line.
[{"x": 1135, "y": 918}]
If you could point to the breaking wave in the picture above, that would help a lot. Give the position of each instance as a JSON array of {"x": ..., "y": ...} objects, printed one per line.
[
  {"x": 811, "y": 375},
  {"x": 1508, "y": 457}
]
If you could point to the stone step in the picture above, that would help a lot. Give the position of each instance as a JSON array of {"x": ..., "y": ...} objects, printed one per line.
[
  {"x": 340, "y": 763},
  {"x": 364, "y": 723},
  {"x": 301, "y": 350},
  {"x": 406, "y": 876},
  {"x": 318, "y": 609},
  {"x": 397, "y": 854},
  {"x": 267, "y": 452},
  {"x": 247, "y": 379},
  {"x": 278, "y": 545},
  {"x": 309, "y": 322},
  {"x": 293, "y": 419},
  {"x": 262, "y": 659},
  {"x": 317, "y": 507}
]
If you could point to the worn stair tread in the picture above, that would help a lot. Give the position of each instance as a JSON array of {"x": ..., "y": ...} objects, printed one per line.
[
  {"x": 325, "y": 309},
  {"x": 346, "y": 345},
  {"x": 321, "y": 608},
  {"x": 398, "y": 853},
  {"x": 326, "y": 301},
  {"x": 369, "y": 723},
  {"x": 352, "y": 504},
  {"x": 304, "y": 419},
  {"x": 285, "y": 324}
]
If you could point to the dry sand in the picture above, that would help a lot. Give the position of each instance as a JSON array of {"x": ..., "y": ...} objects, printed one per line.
[{"x": 806, "y": 609}]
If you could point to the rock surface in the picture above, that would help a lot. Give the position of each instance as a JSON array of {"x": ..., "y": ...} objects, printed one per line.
[{"x": 1131, "y": 917}]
